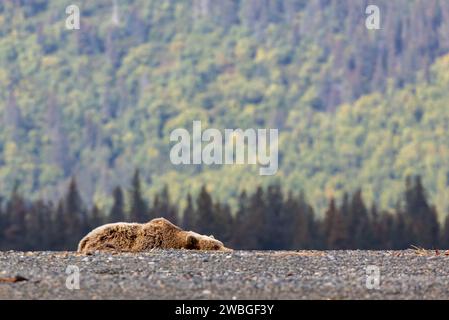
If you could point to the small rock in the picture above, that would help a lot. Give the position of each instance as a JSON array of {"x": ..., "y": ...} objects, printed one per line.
[{"x": 14, "y": 279}]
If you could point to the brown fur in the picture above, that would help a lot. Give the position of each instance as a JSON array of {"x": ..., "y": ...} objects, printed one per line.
[{"x": 135, "y": 237}]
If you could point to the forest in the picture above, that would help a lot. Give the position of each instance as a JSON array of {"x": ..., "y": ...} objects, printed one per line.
[
  {"x": 267, "y": 219},
  {"x": 355, "y": 108}
]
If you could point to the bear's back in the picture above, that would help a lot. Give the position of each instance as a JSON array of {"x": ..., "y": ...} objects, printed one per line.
[{"x": 120, "y": 236}]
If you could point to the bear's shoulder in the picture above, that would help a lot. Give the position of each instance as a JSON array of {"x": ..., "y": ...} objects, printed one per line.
[{"x": 116, "y": 226}]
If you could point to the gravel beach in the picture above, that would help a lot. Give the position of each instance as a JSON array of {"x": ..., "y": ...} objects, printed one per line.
[{"x": 180, "y": 274}]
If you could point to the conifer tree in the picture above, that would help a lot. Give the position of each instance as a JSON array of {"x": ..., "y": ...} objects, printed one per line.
[
  {"x": 95, "y": 218},
  {"x": 138, "y": 208},
  {"x": 188, "y": 217},
  {"x": 59, "y": 228},
  {"x": 44, "y": 212},
  {"x": 34, "y": 235},
  {"x": 205, "y": 214},
  {"x": 256, "y": 225},
  {"x": 358, "y": 223},
  {"x": 239, "y": 237},
  {"x": 376, "y": 228},
  {"x": 16, "y": 212},
  {"x": 222, "y": 225},
  {"x": 162, "y": 207},
  {"x": 277, "y": 229},
  {"x": 335, "y": 229},
  {"x": 421, "y": 218},
  {"x": 74, "y": 213},
  {"x": 402, "y": 237},
  {"x": 117, "y": 213}
]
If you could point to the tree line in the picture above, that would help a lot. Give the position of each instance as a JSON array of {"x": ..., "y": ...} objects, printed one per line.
[{"x": 266, "y": 219}]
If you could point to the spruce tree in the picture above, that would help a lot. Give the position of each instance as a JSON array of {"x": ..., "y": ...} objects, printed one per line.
[
  {"x": 239, "y": 237},
  {"x": 358, "y": 223},
  {"x": 222, "y": 225},
  {"x": 421, "y": 218},
  {"x": 188, "y": 217},
  {"x": 117, "y": 213},
  {"x": 205, "y": 214},
  {"x": 35, "y": 230},
  {"x": 256, "y": 225},
  {"x": 335, "y": 228},
  {"x": 162, "y": 207},
  {"x": 74, "y": 213},
  {"x": 138, "y": 208},
  {"x": 59, "y": 228},
  {"x": 95, "y": 218},
  {"x": 277, "y": 229},
  {"x": 16, "y": 212}
]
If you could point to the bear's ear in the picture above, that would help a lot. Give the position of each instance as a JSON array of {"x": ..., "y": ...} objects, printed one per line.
[
  {"x": 191, "y": 242},
  {"x": 212, "y": 236}
]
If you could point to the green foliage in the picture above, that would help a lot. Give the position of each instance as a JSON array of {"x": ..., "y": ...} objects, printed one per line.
[{"x": 355, "y": 108}]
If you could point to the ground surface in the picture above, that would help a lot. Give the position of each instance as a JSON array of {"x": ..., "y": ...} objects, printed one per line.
[{"x": 236, "y": 275}]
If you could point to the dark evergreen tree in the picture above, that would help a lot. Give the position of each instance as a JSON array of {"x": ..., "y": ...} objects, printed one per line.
[
  {"x": 44, "y": 212},
  {"x": 188, "y": 217},
  {"x": 58, "y": 227},
  {"x": 138, "y": 209},
  {"x": 34, "y": 234},
  {"x": 358, "y": 224},
  {"x": 376, "y": 228},
  {"x": 162, "y": 207},
  {"x": 335, "y": 228},
  {"x": 384, "y": 232},
  {"x": 95, "y": 217},
  {"x": 277, "y": 232},
  {"x": 304, "y": 231},
  {"x": 421, "y": 218},
  {"x": 75, "y": 215},
  {"x": 205, "y": 212},
  {"x": 255, "y": 224},
  {"x": 16, "y": 212},
  {"x": 117, "y": 213},
  {"x": 402, "y": 238},
  {"x": 223, "y": 223},
  {"x": 239, "y": 237}
]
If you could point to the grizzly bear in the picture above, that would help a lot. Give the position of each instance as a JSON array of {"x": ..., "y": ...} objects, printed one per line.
[{"x": 136, "y": 237}]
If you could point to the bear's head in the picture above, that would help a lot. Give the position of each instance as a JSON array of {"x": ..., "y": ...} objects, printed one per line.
[
  {"x": 177, "y": 238},
  {"x": 195, "y": 241}
]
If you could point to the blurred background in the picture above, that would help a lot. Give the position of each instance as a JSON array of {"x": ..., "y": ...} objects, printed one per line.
[{"x": 362, "y": 116}]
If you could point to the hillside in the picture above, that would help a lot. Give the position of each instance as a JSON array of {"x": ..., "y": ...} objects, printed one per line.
[{"x": 354, "y": 107}]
